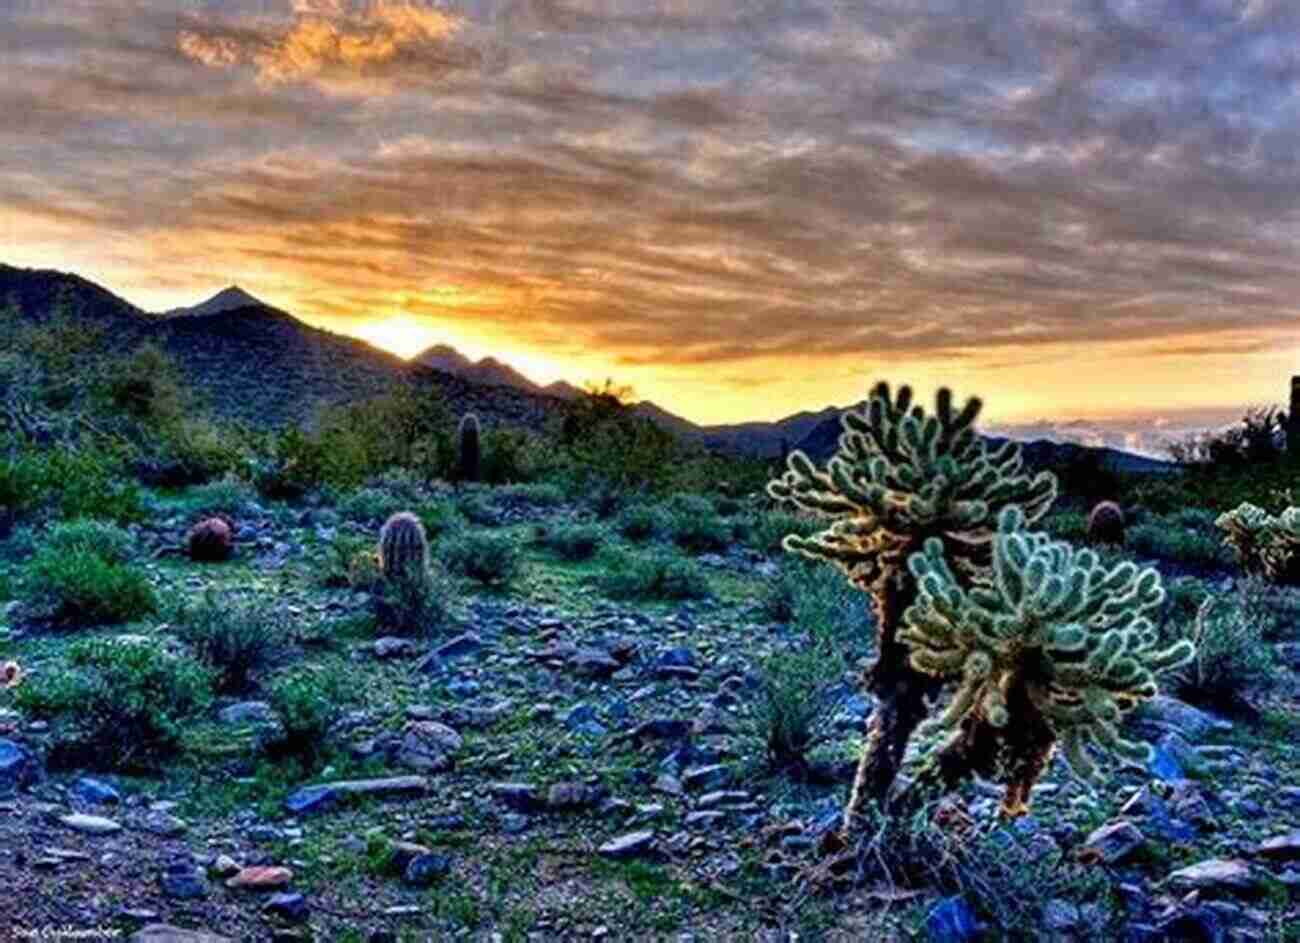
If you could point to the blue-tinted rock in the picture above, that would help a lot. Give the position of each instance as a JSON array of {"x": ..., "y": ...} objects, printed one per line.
[
  {"x": 18, "y": 767},
  {"x": 1163, "y": 766},
  {"x": 291, "y": 908},
  {"x": 952, "y": 921},
  {"x": 631, "y": 845},
  {"x": 311, "y": 799},
  {"x": 95, "y": 791},
  {"x": 424, "y": 870},
  {"x": 676, "y": 658}
]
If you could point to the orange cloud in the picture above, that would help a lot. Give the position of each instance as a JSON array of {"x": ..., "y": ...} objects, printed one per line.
[{"x": 326, "y": 46}]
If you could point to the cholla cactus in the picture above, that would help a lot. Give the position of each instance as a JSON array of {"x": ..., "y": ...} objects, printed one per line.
[
  {"x": 1263, "y": 544},
  {"x": 898, "y": 478},
  {"x": 1052, "y": 649},
  {"x": 470, "y": 450},
  {"x": 403, "y": 547}
]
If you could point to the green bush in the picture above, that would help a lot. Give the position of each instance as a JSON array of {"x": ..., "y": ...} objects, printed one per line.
[
  {"x": 308, "y": 702},
  {"x": 1066, "y": 525},
  {"x": 90, "y": 483},
  {"x": 795, "y": 700},
  {"x": 414, "y": 603},
  {"x": 480, "y": 509},
  {"x": 228, "y": 495},
  {"x": 371, "y": 505},
  {"x": 83, "y": 587},
  {"x": 490, "y": 559},
  {"x": 234, "y": 638},
  {"x": 694, "y": 526},
  {"x": 103, "y": 539},
  {"x": 768, "y": 528},
  {"x": 1165, "y": 540},
  {"x": 817, "y": 601},
  {"x": 541, "y": 493},
  {"x": 641, "y": 522},
  {"x": 575, "y": 542},
  {"x": 20, "y": 489},
  {"x": 440, "y": 518},
  {"x": 119, "y": 704},
  {"x": 656, "y": 574},
  {"x": 1232, "y": 656}
]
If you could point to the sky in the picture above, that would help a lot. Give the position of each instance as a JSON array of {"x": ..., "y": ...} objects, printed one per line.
[{"x": 741, "y": 209}]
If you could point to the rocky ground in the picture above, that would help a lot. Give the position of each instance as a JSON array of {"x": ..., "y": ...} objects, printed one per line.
[{"x": 558, "y": 766}]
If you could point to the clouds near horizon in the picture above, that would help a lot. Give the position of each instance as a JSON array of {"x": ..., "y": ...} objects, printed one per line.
[{"x": 684, "y": 188}]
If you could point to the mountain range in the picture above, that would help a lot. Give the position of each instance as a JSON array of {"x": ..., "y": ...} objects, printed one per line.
[{"x": 256, "y": 362}]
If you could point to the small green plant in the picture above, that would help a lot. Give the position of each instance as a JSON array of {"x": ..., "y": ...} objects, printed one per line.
[
  {"x": 641, "y": 522},
  {"x": 369, "y": 505},
  {"x": 85, "y": 482},
  {"x": 1232, "y": 657},
  {"x": 81, "y": 577},
  {"x": 794, "y": 701},
  {"x": 768, "y": 529},
  {"x": 694, "y": 525},
  {"x": 490, "y": 559},
  {"x": 655, "y": 574},
  {"x": 575, "y": 542},
  {"x": 815, "y": 600},
  {"x": 118, "y": 703},
  {"x": 235, "y": 638},
  {"x": 308, "y": 702},
  {"x": 229, "y": 495}
]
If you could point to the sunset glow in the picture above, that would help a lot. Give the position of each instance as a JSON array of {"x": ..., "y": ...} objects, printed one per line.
[{"x": 741, "y": 210}]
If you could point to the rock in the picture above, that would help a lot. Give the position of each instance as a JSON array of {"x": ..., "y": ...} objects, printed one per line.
[
  {"x": 424, "y": 870},
  {"x": 95, "y": 791},
  {"x": 1163, "y": 765},
  {"x": 260, "y": 879},
  {"x": 1281, "y": 847},
  {"x": 570, "y": 796},
  {"x": 162, "y": 824},
  {"x": 676, "y": 673},
  {"x": 660, "y": 728},
  {"x": 311, "y": 799},
  {"x": 1112, "y": 842},
  {"x": 224, "y": 867},
  {"x": 630, "y": 845},
  {"x": 249, "y": 713},
  {"x": 593, "y": 663},
  {"x": 465, "y": 644},
  {"x": 715, "y": 776},
  {"x": 1215, "y": 876},
  {"x": 428, "y": 746},
  {"x": 1060, "y": 915},
  {"x": 90, "y": 824},
  {"x": 951, "y": 920},
  {"x": 514, "y": 823},
  {"x": 522, "y": 797},
  {"x": 1288, "y": 653},
  {"x": 392, "y": 647},
  {"x": 291, "y": 908},
  {"x": 1173, "y": 714},
  {"x": 165, "y": 933},
  {"x": 581, "y": 718},
  {"x": 18, "y": 767},
  {"x": 182, "y": 880}
]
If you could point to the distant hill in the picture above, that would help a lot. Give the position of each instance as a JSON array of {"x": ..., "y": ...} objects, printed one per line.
[{"x": 228, "y": 299}]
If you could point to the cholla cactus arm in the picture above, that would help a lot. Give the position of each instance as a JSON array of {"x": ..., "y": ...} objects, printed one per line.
[
  {"x": 1054, "y": 650},
  {"x": 1247, "y": 530},
  {"x": 899, "y": 477}
]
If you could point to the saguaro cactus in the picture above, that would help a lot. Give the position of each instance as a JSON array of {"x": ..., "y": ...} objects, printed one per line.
[
  {"x": 469, "y": 459},
  {"x": 1055, "y": 648},
  {"x": 897, "y": 479}
]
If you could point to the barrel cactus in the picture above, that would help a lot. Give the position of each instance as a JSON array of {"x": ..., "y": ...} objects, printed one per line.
[
  {"x": 901, "y": 477},
  {"x": 211, "y": 540},
  {"x": 1054, "y": 648},
  {"x": 1106, "y": 523},
  {"x": 403, "y": 547},
  {"x": 470, "y": 457}
]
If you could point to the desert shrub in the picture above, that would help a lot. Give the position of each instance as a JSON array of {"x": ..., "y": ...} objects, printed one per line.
[
  {"x": 640, "y": 522},
  {"x": 490, "y": 559},
  {"x": 369, "y": 505},
  {"x": 308, "y": 702},
  {"x": 605, "y": 498},
  {"x": 20, "y": 489},
  {"x": 1163, "y": 539},
  {"x": 727, "y": 505},
  {"x": 796, "y": 698},
  {"x": 189, "y": 451},
  {"x": 288, "y": 464},
  {"x": 1258, "y": 438},
  {"x": 143, "y": 385},
  {"x": 1231, "y": 656},
  {"x": 86, "y": 581},
  {"x": 693, "y": 524},
  {"x": 228, "y": 495},
  {"x": 404, "y": 428},
  {"x": 351, "y": 563},
  {"x": 108, "y": 541},
  {"x": 1183, "y": 598},
  {"x": 768, "y": 528},
  {"x": 539, "y": 493},
  {"x": 817, "y": 602},
  {"x": 1084, "y": 474},
  {"x": 1066, "y": 525},
  {"x": 235, "y": 638},
  {"x": 86, "y": 482},
  {"x": 480, "y": 509},
  {"x": 513, "y": 455},
  {"x": 440, "y": 518},
  {"x": 655, "y": 574},
  {"x": 413, "y": 602},
  {"x": 575, "y": 542},
  {"x": 118, "y": 703}
]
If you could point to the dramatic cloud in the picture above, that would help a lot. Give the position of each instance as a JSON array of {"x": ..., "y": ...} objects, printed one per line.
[{"x": 701, "y": 195}]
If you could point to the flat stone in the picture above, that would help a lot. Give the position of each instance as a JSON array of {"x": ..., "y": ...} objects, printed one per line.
[
  {"x": 90, "y": 824},
  {"x": 291, "y": 908},
  {"x": 1216, "y": 875},
  {"x": 392, "y": 647},
  {"x": 162, "y": 824},
  {"x": 522, "y": 797},
  {"x": 428, "y": 746},
  {"x": 425, "y": 870},
  {"x": 631, "y": 845},
  {"x": 95, "y": 791},
  {"x": 260, "y": 879},
  {"x": 182, "y": 881},
  {"x": 18, "y": 767},
  {"x": 1060, "y": 914},
  {"x": 257, "y": 713},
  {"x": 952, "y": 920},
  {"x": 311, "y": 799},
  {"x": 1114, "y": 841},
  {"x": 165, "y": 933},
  {"x": 711, "y": 777},
  {"x": 567, "y": 796},
  {"x": 1281, "y": 847},
  {"x": 1192, "y": 722}
]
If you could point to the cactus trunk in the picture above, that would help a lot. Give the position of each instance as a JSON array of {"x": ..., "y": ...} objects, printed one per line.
[{"x": 901, "y": 693}]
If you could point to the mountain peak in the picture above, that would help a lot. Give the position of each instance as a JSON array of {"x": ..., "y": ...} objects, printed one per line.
[{"x": 230, "y": 298}]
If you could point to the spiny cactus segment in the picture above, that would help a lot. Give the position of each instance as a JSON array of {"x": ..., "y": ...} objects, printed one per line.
[
  {"x": 403, "y": 547},
  {"x": 1052, "y": 649},
  {"x": 1264, "y": 544}
]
